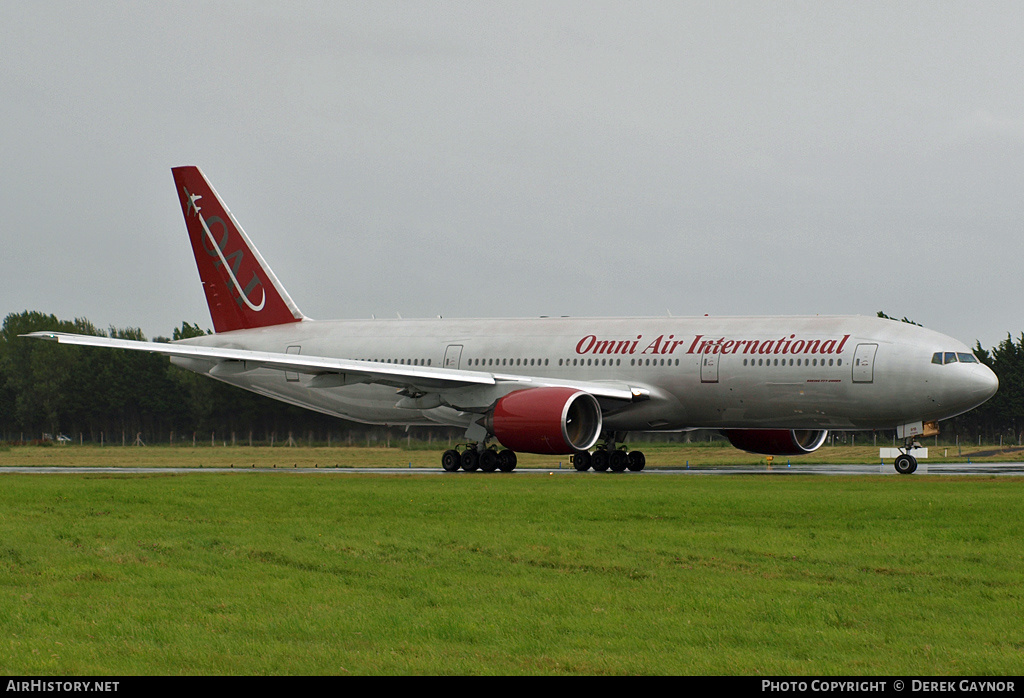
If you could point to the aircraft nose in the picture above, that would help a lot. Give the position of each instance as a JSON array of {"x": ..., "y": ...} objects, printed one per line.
[
  {"x": 977, "y": 385},
  {"x": 986, "y": 382},
  {"x": 972, "y": 386}
]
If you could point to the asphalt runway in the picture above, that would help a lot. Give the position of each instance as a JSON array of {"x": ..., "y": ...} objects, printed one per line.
[{"x": 989, "y": 469}]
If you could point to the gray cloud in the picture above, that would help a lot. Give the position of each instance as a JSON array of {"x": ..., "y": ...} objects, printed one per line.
[{"x": 490, "y": 159}]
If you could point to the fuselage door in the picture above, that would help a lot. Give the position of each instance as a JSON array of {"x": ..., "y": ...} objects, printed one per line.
[
  {"x": 709, "y": 368},
  {"x": 288, "y": 375},
  {"x": 452, "y": 356},
  {"x": 864, "y": 363}
]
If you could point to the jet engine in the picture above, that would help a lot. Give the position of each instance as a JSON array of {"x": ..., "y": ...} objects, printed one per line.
[
  {"x": 777, "y": 442},
  {"x": 546, "y": 420}
]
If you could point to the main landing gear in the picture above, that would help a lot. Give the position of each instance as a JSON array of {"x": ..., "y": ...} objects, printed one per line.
[
  {"x": 478, "y": 457},
  {"x": 608, "y": 457}
]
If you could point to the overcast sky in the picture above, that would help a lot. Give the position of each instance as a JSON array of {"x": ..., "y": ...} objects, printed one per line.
[{"x": 519, "y": 159}]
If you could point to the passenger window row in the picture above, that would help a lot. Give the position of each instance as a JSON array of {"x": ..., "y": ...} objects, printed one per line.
[
  {"x": 782, "y": 362},
  {"x": 507, "y": 362},
  {"x": 937, "y": 358},
  {"x": 618, "y": 362},
  {"x": 405, "y": 362},
  {"x": 591, "y": 362}
]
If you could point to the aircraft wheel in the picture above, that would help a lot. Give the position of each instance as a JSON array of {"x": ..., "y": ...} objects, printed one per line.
[
  {"x": 599, "y": 460},
  {"x": 618, "y": 460},
  {"x": 489, "y": 461},
  {"x": 451, "y": 460},
  {"x": 507, "y": 461},
  {"x": 470, "y": 460},
  {"x": 905, "y": 464},
  {"x": 637, "y": 461},
  {"x": 581, "y": 461}
]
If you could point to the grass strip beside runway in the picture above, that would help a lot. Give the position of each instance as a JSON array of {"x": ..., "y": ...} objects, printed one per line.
[{"x": 217, "y": 574}]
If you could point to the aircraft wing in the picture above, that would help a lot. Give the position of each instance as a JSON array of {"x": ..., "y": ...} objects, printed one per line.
[{"x": 411, "y": 381}]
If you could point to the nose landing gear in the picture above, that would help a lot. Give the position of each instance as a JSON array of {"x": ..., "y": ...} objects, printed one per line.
[{"x": 905, "y": 464}]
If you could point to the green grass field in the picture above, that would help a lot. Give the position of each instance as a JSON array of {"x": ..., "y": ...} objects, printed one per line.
[{"x": 467, "y": 573}]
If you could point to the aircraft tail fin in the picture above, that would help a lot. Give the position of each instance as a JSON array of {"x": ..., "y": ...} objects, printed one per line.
[{"x": 240, "y": 287}]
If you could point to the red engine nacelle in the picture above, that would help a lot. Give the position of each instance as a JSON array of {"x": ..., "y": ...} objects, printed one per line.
[
  {"x": 546, "y": 420},
  {"x": 777, "y": 442}
]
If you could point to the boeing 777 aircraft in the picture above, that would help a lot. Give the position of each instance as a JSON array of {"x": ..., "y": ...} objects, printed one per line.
[{"x": 772, "y": 385}]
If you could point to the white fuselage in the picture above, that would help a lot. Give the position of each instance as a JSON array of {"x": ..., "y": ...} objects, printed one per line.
[{"x": 736, "y": 373}]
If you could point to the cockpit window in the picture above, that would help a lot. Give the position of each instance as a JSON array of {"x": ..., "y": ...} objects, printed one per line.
[{"x": 952, "y": 357}]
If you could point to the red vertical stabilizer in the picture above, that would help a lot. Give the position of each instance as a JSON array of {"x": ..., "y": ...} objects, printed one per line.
[{"x": 241, "y": 290}]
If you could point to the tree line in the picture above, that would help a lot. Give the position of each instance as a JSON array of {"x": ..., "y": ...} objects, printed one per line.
[{"x": 97, "y": 395}]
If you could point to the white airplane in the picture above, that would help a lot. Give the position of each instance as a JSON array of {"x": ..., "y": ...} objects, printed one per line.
[{"x": 772, "y": 385}]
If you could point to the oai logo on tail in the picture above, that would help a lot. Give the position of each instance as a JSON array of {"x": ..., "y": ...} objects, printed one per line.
[{"x": 218, "y": 250}]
